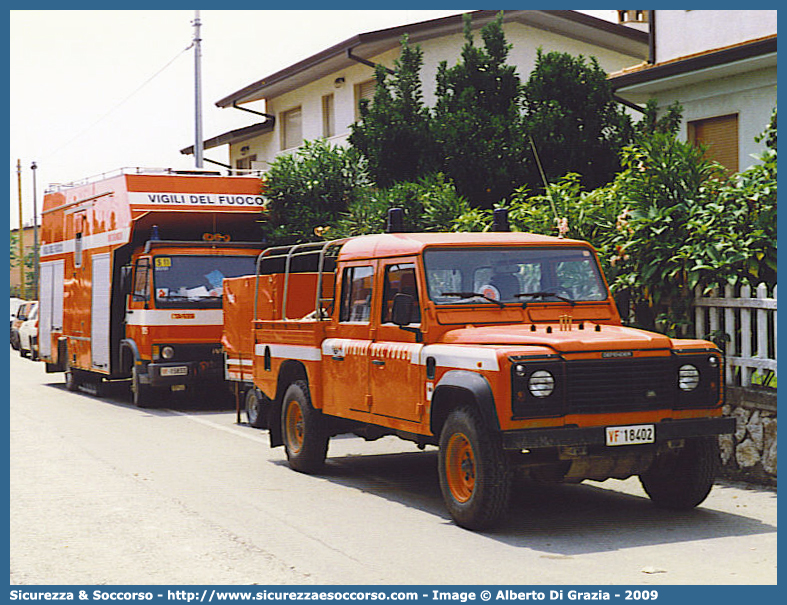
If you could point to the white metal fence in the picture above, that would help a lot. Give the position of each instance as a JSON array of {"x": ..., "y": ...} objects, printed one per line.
[{"x": 746, "y": 320}]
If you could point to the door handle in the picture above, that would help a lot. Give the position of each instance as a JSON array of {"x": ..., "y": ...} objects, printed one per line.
[
  {"x": 337, "y": 358},
  {"x": 378, "y": 362}
]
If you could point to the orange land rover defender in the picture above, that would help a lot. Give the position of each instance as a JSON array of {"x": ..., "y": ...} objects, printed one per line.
[
  {"x": 131, "y": 277},
  {"x": 503, "y": 349}
]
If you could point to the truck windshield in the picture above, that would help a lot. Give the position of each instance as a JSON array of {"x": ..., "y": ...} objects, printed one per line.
[
  {"x": 189, "y": 282},
  {"x": 487, "y": 275}
]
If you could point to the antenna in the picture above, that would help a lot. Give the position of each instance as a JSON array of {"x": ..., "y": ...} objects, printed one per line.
[
  {"x": 197, "y": 91},
  {"x": 544, "y": 178}
]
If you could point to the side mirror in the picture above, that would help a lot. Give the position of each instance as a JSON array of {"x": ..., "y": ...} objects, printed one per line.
[
  {"x": 126, "y": 274},
  {"x": 402, "y": 310}
]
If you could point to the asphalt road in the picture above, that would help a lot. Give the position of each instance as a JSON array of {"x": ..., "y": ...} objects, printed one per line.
[{"x": 105, "y": 493}]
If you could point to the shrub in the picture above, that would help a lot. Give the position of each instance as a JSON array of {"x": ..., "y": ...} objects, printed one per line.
[
  {"x": 430, "y": 204},
  {"x": 310, "y": 189}
]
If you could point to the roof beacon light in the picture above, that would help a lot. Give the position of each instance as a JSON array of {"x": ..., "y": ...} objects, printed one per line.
[
  {"x": 395, "y": 220},
  {"x": 500, "y": 220}
]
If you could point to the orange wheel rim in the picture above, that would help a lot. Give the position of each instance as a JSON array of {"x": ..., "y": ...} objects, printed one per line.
[
  {"x": 294, "y": 424},
  {"x": 460, "y": 467}
]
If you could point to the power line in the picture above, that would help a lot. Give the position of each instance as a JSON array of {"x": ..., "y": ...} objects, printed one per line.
[{"x": 118, "y": 105}]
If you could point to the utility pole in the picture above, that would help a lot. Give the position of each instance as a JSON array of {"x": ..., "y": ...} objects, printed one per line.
[
  {"x": 197, "y": 91},
  {"x": 21, "y": 234},
  {"x": 33, "y": 167}
]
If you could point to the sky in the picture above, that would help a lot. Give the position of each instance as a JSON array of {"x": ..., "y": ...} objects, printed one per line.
[{"x": 93, "y": 91}]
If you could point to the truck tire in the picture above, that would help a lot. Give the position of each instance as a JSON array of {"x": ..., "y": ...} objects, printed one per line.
[
  {"x": 303, "y": 430},
  {"x": 257, "y": 409},
  {"x": 474, "y": 475},
  {"x": 142, "y": 395},
  {"x": 682, "y": 479}
]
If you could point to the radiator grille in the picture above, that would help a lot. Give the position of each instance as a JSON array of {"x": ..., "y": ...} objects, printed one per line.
[{"x": 620, "y": 385}]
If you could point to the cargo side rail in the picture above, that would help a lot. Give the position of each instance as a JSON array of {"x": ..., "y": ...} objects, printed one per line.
[{"x": 298, "y": 258}]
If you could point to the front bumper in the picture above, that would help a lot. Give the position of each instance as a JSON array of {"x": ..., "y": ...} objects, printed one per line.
[
  {"x": 666, "y": 430},
  {"x": 184, "y": 372}
]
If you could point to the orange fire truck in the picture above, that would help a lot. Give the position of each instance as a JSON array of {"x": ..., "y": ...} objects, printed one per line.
[
  {"x": 503, "y": 349},
  {"x": 131, "y": 277}
]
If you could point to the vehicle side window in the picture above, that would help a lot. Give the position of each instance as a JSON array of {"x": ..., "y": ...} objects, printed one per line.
[
  {"x": 356, "y": 299},
  {"x": 400, "y": 279},
  {"x": 141, "y": 280}
]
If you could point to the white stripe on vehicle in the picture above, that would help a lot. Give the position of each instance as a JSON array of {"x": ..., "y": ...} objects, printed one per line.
[
  {"x": 446, "y": 356},
  {"x": 97, "y": 240},
  {"x": 301, "y": 352},
  {"x": 461, "y": 357},
  {"x": 175, "y": 317}
]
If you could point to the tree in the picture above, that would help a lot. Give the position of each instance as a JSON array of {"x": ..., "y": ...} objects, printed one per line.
[
  {"x": 309, "y": 189},
  {"x": 477, "y": 119},
  {"x": 394, "y": 132},
  {"x": 651, "y": 122},
  {"x": 30, "y": 275},
  {"x": 574, "y": 121}
]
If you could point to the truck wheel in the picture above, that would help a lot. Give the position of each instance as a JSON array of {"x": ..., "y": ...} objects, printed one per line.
[
  {"x": 682, "y": 479},
  {"x": 257, "y": 409},
  {"x": 474, "y": 475},
  {"x": 303, "y": 430},
  {"x": 141, "y": 394}
]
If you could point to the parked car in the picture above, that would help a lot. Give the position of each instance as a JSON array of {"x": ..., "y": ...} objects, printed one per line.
[
  {"x": 15, "y": 303},
  {"x": 21, "y": 316},
  {"x": 28, "y": 334}
]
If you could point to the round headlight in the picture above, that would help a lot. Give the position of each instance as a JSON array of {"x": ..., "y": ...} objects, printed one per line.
[
  {"x": 167, "y": 352},
  {"x": 688, "y": 377},
  {"x": 541, "y": 384}
]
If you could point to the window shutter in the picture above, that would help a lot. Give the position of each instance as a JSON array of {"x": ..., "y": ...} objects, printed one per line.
[
  {"x": 364, "y": 90},
  {"x": 720, "y": 135},
  {"x": 292, "y": 130},
  {"x": 328, "y": 117}
]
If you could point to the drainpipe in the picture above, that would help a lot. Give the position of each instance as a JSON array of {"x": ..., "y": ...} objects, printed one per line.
[
  {"x": 652, "y": 38},
  {"x": 358, "y": 59},
  {"x": 223, "y": 165},
  {"x": 651, "y": 59},
  {"x": 267, "y": 116},
  {"x": 627, "y": 103}
]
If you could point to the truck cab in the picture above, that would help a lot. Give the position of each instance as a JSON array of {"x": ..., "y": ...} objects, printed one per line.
[{"x": 173, "y": 317}]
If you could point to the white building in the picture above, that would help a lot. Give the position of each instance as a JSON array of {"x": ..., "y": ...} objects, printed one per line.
[
  {"x": 318, "y": 97},
  {"x": 721, "y": 66}
]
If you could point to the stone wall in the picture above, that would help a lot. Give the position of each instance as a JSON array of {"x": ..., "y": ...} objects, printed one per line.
[{"x": 750, "y": 453}]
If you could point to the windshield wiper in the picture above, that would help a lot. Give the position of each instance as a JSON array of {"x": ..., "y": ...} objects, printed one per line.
[
  {"x": 473, "y": 295},
  {"x": 545, "y": 295}
]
